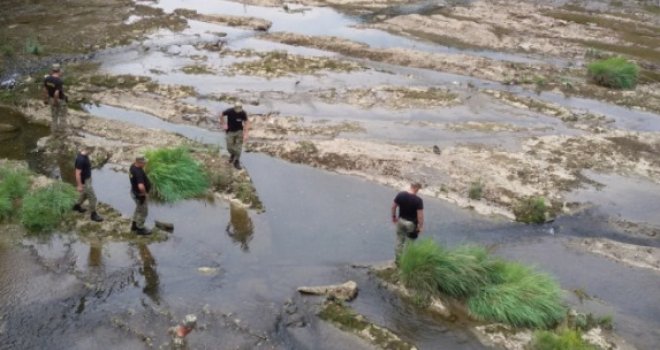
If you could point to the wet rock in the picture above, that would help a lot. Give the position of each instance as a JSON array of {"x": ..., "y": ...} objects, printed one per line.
[
  {"x": 166, "y": 226},
  {"x": 345, "y": 292},
  {"x": 503, "y": 336},
  {"x": 207, "y": 270}
]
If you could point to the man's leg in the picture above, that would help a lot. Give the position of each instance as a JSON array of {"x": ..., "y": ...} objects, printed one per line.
[
  {"x": 403, "y": 227},
  {"x": 229, "y": 139},
  {"x": 88, "y": 190},
  {"x": 141, "y": 212},
  {"x": 54, "y": 114},
  {"x": 238, "y": 145}
]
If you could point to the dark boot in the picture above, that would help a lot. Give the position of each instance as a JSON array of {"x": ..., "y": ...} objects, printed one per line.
[
  {"x": 237, "y": 165},
  {"x": 96, "y": 217},
  {"x": 133, "y": 226},
  {"x": 231, "y": 159},
  {"x": 79, "y": 209},
  {"x": 142, "y": 231}
]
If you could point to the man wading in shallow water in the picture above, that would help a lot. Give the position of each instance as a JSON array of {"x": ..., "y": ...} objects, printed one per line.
[
  {"x": 410, "y": 222},
  {"x": 54, "y": 96},
  {"x": 237, "y": 127}
]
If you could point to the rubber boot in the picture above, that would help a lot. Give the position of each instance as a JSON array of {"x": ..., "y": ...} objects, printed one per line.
[
  {"x": 237, "y": 164},
  {"x": 96, "y": 217},
  {"x": 133, "y": 226},
  {"x": 79, "y": 209}
]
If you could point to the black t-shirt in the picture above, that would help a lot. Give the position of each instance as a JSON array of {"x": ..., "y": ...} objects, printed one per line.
[
  {"x": 53, "y": 84},
  {"x": 138, "y": 176},
  {"x": 408, "y": 205},
  {"x": 84, "y": 165},
  {"x": 235, "y": 119}
]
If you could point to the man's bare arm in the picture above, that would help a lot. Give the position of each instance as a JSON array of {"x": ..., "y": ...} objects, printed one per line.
[
  {"x": 420, "y": 220},
  {"x": 394, "y": 206}
]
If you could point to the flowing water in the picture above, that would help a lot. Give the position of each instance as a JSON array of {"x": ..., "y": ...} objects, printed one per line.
[{"x": 66, "y": 292}]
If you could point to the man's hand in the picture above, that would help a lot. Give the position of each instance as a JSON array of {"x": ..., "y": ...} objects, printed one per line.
[
  {"x": 245, "y": 138},
  {"x": 79, "y": 187},
  {"x": 225, "y": 127},
  {"x": 394, "y": 219}
]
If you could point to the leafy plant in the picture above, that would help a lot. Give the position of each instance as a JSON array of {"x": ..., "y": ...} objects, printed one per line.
[
  {"x": 45, "y": 208},
  {"x": 175, "y": 175},
  {"x": 614, "y": 72},
  {"x": 530, "y": 210},
  {"x": 562, "y": 340},
  {"x": 14, "y": 182},
  {"x": 520, "y": 297},
  {"x": 32, "y": 46},
  {"x": 418, "y": 268}
]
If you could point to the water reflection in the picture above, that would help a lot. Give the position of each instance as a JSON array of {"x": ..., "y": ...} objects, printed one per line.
[
  {"x": 148, "y": 270},
  {"x": 95, "y": 256},
  {"x": 240, "y": 227}
]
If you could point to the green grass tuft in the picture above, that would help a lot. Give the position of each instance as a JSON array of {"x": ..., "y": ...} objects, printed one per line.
[
  {"x": 175, "y": 175},
  {"x": 530, "y": 210},
  {"x": 615, "y": 72},
  {"x": 14, "y": 182},
  {"x": 563, "y": 340},
  {"x": 32, "y": 46},
  {"x": 521, "y": 298},
  {"x": 6, "y": 206},
  {"x": 44, "y": 209},
  {"x": 418, "y": 268}
]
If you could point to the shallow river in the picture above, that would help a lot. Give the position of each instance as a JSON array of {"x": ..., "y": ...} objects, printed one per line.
[{"x": 66, "y": 293}]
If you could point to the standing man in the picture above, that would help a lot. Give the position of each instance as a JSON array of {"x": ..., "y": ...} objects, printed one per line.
[
  {"x": 54, "y": 96},
  {"x": 140, "y": 187},
  {"x": 83, "y": 175},
  {"x": 236, "y": 126},
  {"x": 410, "y": 222}
]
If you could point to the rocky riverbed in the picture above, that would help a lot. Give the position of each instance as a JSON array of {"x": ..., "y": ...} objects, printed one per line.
[{"x": 487, "y": 97}]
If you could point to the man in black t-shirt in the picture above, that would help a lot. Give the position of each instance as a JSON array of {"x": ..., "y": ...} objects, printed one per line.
[
  {"x": 54, "y": 96},
  {"x": 140, "y": 187},
  {"x": 410, "y": 221},
  {"x": 236, "y": 126},
  {"x": 83, "y": 176}
]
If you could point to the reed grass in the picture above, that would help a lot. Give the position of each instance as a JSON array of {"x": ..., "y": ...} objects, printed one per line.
[
  {"x": 175, "y": 175},
  {"x": 44, "y": 208}
]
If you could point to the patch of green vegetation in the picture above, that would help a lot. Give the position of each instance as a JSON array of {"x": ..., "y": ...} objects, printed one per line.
[
  {"x": 6, "y": 50},
  {"x": 197, "y": 69},
  {"x": 6, "y": 206},
  {"x": 14, "y": 182},
  {"x": 615, "y": 72},
  {"x": 585, "y": 322},
  {"x": 348, "y": 320},
  {"x": 519, "y": 297},
  {"x": 118, "y": 81},
  {"x": 655, "y": 9},
  {"x": 495, "y": 290},
  {"x": 307, "y": 147},
  {"x": 476, "y": 190},
  {"x": 562, "y": 340},
  {"x": 44, "y": 208},
  {"x": 33, "y": 47},
  {"x": 175, "y": 175},
  {"x": 530, "y": 210},
  {"x": 636, "y": 51}
]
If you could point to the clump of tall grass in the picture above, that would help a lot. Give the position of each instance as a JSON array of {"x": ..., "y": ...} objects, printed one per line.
[
  {"x": 32, "y": 46},
  {"x": 614, "y": 72},
  {"x": 6, "y": 206},
  {"x": 14, "y": 182},
  {"x": 495, "y": 290},
  {"x": 429, "y": 269},
  {"x": 44, "y": 208},
  {"x": 175, "y": 175},
  {"x": 565, "y": 339},
  {"x": 518, "y": 296},
  {"x": 530, "y": 210}
]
